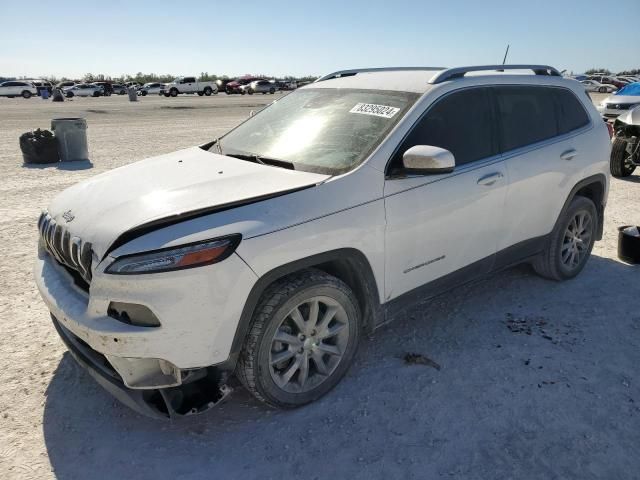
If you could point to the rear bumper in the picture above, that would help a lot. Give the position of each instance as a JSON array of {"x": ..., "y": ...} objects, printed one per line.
[{"x": 205, "y": 391}]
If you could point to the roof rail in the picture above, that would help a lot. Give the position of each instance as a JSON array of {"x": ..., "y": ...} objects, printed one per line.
[
  {"x": 354, "y": 71},
  {"x": 459, "y": 72}
]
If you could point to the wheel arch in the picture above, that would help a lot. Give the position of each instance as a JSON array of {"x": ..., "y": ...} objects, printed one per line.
[
  {"x": 593, "y": 188},
  {"x": 347, "y": 264}
]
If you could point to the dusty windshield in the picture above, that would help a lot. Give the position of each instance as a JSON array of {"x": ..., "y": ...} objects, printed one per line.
[{"x": 321, "y": 130}]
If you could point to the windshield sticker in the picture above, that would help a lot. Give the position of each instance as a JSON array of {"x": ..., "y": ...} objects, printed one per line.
[{"x": 376, "y": 110}]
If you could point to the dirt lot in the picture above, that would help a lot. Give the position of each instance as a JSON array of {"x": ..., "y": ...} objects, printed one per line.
[{"x": 537, "y": 380}]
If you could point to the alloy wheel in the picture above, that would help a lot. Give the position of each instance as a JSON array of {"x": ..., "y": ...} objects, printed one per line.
[
  {"x": 577, "y": 240},
  {"x": 309, "y": 344}
]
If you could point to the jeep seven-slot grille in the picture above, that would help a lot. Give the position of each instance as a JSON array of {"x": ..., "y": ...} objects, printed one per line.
[{"x": 69, "y": 251}]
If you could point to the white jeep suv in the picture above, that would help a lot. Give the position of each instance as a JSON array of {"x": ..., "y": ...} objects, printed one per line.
[{"x": 267, "y": 254}]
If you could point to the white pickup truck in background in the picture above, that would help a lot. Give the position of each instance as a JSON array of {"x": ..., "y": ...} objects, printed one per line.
[{"x": 189, "y": 85}]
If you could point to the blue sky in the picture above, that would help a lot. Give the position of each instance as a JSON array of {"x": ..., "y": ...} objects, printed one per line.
[{"x": 244, "y": 36}]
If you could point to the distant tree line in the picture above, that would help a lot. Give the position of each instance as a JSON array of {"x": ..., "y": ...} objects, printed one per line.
[{"x": 149, "y": 78}]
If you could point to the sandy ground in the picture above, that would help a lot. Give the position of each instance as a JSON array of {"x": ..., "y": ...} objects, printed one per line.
[{"x": 538, "y": 379}]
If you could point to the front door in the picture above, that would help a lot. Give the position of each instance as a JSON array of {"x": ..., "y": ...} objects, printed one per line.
[{"x": 443, "y": 229}]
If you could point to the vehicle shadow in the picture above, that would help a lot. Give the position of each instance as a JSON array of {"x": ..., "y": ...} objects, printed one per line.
[
  {"x": 631, "y": 178},
  {"x": 486, "y": 411},
  {"x": 68, "y": 166}
]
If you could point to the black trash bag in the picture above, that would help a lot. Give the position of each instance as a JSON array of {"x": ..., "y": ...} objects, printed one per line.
[
  {"x": 57, "y": 95},
  {"x": 39, "y": 146}
]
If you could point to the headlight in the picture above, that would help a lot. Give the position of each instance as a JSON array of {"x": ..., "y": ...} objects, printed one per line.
[{"x": 176, "y": 258}]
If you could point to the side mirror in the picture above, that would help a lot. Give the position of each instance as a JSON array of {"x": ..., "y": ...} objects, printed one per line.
[{"x": 425, "y": 159}]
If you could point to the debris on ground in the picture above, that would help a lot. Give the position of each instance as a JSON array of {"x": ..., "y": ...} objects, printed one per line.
[{"x": 419, "y": 359}]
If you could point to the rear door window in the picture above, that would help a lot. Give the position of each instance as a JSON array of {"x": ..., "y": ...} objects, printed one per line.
[{"x": 527, "y": 115}]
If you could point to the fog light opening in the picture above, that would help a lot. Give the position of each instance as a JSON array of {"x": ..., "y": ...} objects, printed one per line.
[{"x": 133, "y": 314}]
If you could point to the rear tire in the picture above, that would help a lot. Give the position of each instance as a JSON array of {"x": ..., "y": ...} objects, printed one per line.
[
  {"x": 570, "y": 243},
  {"x": 620, "y": 162},
  {"x": 602, "y": 89},
  {"x": 310, "y": 321},
  {"x": 143, "y": 93},
  {"x": 26, "y": 94},
  {"x": 69, "y": 94},
  {"x": 208, "y": 91}
]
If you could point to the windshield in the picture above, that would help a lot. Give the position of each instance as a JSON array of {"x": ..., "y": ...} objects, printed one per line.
[
  {"x": 319, "y": 130},
  {"x": 632, "y": 89}
]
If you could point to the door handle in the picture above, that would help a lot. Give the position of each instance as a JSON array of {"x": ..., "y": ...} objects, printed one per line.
[
  {"x": 490, "y": 179},
  {"x": 569, "y": 155}
]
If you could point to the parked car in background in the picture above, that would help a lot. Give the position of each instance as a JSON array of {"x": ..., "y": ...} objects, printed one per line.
[
  {"x": 188, "y": 85},
  {"x": 234, "y": 85},
  {"x": 594, "y": 86},
  {"x": 625, "y": 99},
  {"x": 17, "y": 88},
  {"x": 151, "y": 89},
  {"x": 119, "y": 88},
  {"x": 221, "y": 83},
  {"x": 42, "y": 85},
  {"x": 625, "y": 150},
  {"x": 630, "y": 78},
  {"x": 270, "y": 253},
  {"x": 65, "y": 84},
  {"x": 259, "y": 86},
  {"x": 83, "y": 90},
  {"x": 607, "y": 80},
  {"x": 107, "y": 89}
]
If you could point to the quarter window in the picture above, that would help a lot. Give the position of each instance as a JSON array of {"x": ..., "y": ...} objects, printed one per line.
[
  {"x": 527, "y": 115},
  {"x": 571, "y": 113},
  {"x": 461, "y": 122}
]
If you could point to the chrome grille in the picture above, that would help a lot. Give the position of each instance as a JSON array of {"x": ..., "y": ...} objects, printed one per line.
[{"x": 70, "y": 251}]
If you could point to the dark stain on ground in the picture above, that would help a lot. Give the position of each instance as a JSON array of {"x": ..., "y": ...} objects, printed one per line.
[{"x": 419, "y": 359}]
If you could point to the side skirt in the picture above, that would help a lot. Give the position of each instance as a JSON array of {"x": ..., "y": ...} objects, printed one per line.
[{"x": 520, "y": 253}]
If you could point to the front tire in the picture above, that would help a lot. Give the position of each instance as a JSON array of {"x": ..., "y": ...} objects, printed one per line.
[
  {"x": 620, "y": 163},
  {"x": 571, "y": 242},
  {"x": 303, "y": 338},
  {"x": 173, "y": 92}
]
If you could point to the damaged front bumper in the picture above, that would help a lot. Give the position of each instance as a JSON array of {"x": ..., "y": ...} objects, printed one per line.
[{"x": 200, "y": 389}]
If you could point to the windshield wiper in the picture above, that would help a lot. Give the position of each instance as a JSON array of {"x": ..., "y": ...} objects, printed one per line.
[{"x": 264, "y": 160}]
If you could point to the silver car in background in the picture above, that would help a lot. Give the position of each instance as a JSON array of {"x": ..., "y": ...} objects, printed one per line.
[
  {"x": 151, "y": 88},
  {"x": 259, "y": 86},
  {"x": 83, "y": 90}
]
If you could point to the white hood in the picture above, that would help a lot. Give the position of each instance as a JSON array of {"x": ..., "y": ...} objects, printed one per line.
[
  {"x": 622, "y": 99},
  {"x": 106, "y": 206}
]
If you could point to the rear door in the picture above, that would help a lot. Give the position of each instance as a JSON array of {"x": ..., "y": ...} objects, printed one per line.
[
  {"x": 540, "y": 140},
  {"x": 446, "y": 223}
]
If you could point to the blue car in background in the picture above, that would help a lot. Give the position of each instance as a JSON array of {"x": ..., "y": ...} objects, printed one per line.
[{"x": 623, "y": 100}]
